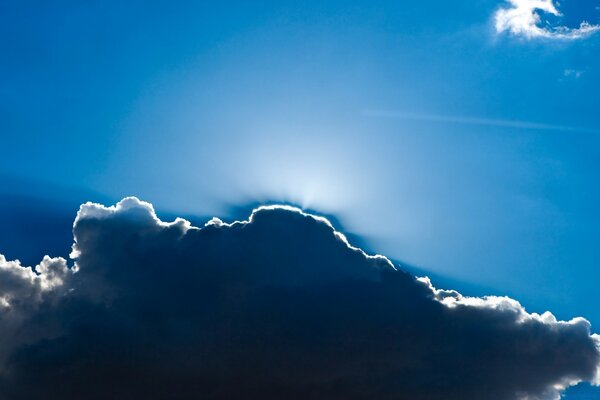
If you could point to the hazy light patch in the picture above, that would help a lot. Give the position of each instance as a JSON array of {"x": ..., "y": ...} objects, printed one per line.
[{"x": 315, "y": 166}]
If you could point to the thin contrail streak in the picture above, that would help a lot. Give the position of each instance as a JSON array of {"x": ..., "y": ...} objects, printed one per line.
[{"x": 474, "y": 121}]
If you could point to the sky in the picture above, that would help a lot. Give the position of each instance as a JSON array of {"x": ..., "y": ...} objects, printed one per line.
[{"x": 459, "y": 139}]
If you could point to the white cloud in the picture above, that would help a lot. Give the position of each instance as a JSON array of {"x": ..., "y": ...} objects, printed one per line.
[
  {"x": 572, "y": 73},
  {"x": 20, "y": 284},
  {"x": 23, "y": 290},
  {"x": 525, "y": 18}
]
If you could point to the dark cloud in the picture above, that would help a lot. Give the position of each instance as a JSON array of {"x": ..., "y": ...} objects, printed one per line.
[{"x": 278, "y": 307}]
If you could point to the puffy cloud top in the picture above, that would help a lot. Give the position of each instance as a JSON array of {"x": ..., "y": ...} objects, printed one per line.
[{"x": 278, "y": 306}]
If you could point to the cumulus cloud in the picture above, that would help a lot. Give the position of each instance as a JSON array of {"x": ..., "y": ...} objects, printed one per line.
[
  {"x": 23, "y": 291},
  {"x": 526, "y": 18},
  {"x": 278, "y": 306}
]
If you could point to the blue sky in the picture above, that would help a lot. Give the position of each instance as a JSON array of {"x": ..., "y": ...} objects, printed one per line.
[{"x": 443, "y": 137}]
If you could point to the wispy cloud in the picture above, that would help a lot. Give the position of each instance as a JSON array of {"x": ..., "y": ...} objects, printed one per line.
[
  {"x": 525, "y": 18},
  {"x": 573, "y": 73},
  {"x": 469, "y": 120}
]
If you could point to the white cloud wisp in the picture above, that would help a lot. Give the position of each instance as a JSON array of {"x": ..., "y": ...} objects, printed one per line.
[{"x": 525, "y": 18}]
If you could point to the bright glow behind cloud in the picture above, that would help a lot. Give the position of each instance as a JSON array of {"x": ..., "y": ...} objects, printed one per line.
[{"x": 523, "y": 18}]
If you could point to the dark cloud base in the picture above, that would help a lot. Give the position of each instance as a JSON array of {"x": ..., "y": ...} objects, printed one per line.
[{"x": 280, "y": 306}]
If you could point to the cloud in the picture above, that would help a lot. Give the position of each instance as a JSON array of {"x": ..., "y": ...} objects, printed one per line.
[
  {"x": 481, "y": 121},
  {"x": 23, "y": 291},
  {"x": 526, "y": 18},
  {"x": 572, "y": 73},
  {"x": 278, "y": 306}
]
